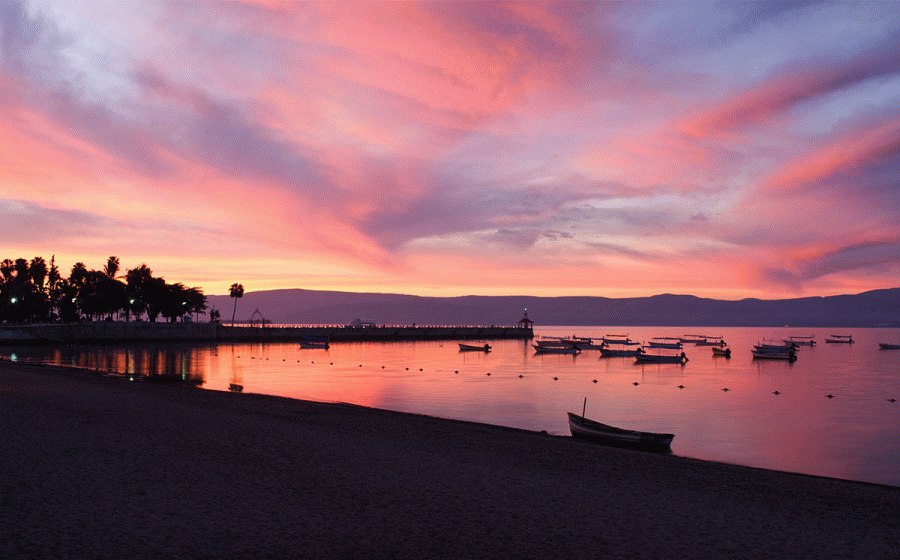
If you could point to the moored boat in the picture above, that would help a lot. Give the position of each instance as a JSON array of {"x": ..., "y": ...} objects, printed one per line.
[
  {"x": 620, "y": 339},
  {"x": 692, "y": 338},
  {"x": 314, "y": 342},
  {"x": 711, "y": 341},
  {"x": 468, "y": 347},
  {"x": 801, "y": 340},
  {"x": 550, "y": 349},
  {"x": 886, "y": 346},
  {"x": 773, "y": 354},
  {"x": 584, "y": 343},
  {"x": 719, "y": 351},
  {"x": 665, "y": 342},
  {"x": 620, "y": 352},
  {"x": 661, "y": 358},
  {"x": 584, "y": 428},
  {"x": 840, "y": 339}
]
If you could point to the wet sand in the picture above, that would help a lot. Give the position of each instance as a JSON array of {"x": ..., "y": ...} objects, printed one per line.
[{"x": 92, "y": 467}]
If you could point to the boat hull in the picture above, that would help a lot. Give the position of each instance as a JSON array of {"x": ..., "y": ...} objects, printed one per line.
[
  {"x": 655, "y": 359},
  {"x": 583, "y": 428},
  {"x": 474, "y": 347},
  {"x": 885, "y": 346}
]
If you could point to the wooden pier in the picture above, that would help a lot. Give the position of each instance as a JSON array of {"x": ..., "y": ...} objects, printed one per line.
[{"x": 113, "y": 332}]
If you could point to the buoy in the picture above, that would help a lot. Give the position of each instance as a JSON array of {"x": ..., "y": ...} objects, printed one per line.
[
  {"x": 556, "y": 379},
  {"x": 382, "y": 367},
  {"x": 521, "y": 376},
  {"x": 331, "y": 363},
  {"x": 635, "y": 383},
  {"x": 595, "y": 381},
  {"x": 407, "y": 369},
  {"x": 488, "y": 374},
  {"x": 681, "y": 386},
  {"x": 456, "y": 371},
  {"x": 829, "y": 396},
  {"x": 420, "y": 369},
  {"x": 892, "y": 400},
  {"x": 776, "y": 392},
  {"x": 725, "y": 389}
]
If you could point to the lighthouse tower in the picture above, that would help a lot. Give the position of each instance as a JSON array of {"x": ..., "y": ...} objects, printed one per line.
[{"x": 525, "y": 322}]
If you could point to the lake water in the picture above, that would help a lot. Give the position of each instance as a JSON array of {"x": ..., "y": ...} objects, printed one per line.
[{"x": 853, "y": 435}]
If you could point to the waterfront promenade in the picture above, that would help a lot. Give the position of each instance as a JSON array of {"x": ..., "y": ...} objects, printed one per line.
[{"x": 101, "y": 332}]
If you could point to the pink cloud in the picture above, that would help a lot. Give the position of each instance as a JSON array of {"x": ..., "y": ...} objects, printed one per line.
[{"x": 790, "y": 88}]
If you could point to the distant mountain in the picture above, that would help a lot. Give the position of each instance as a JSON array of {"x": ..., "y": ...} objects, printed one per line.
[{"x": 877, "y": 308}]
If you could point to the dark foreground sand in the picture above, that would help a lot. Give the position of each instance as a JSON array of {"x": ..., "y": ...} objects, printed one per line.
[{"x": 98, "y": 468}]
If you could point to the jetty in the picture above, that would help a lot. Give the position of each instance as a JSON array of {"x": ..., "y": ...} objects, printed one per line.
[{"x": 113, "y": 332}]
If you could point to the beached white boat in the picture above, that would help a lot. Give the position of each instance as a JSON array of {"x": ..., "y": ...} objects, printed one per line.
[
  {"x": 646, "y": 358},
  {"x": 840, "y": 339},
  {"x": 584, "y": 428},
  {"x": 469, "y": 347}
]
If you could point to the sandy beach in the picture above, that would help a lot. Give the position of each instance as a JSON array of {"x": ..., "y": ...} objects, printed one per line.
[{"x": 94, "y": 467}]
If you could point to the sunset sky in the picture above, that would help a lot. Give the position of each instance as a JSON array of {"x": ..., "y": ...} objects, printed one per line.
[{"x": 451, "y": 148}]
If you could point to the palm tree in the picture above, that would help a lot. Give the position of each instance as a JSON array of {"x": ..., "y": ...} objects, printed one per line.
[
  {"x": 112, "y": 267},
  {"x": 236, "y": 291}
]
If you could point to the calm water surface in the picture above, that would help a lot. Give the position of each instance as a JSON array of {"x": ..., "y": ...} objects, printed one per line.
[{"x": 853, "y": 435}]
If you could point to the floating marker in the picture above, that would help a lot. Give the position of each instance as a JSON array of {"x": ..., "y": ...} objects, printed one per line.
[
  {"x": 829, "y": 396},
  {"x": 725, "y": 389},
  {"x": 681, "y": 386},
  {"x": 521, "y": 376},
  {"x": 892, "y": 400},
  {"x": 488, "y": 374},
  {"x": 635, "y": 383},
  {"x": 776, "y": 392},
  {"x": 556, "y": 379},
  {"x": 595, "y": 381}
]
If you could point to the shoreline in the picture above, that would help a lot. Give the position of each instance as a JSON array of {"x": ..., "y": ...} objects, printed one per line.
[{"x": 172, "y": 471}]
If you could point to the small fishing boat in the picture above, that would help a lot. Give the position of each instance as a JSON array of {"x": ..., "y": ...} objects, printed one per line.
[
  {"x": 801, "y": 340},
  {"x": 840, "y": 339},
  {"x": 314, "y": 342},
  {"x": 619, "y": 339},
  {"x": 467, "y": 347},
  {"x": 773, "y": 354},
  {"x": 665, "y": 342},
  {"x": 692, "y": 338},
  {"x": 719, "y": 351},
  {"x": 620, "y": 352},
  {"x": 583, "y": 343},
  {"x": 711, "y": 341},
  {"x": 769, "y": 344},
  {"x": 886, "y": 346},
  {"x": 584, "y": 428},
  {"x": 555, "y": 349},
  {"x": 645, "y": 358}
]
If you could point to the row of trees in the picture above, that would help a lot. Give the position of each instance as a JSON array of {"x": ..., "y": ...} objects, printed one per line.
[{"x": 35, "y": 291}]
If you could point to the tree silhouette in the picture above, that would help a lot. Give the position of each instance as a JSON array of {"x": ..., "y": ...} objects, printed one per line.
[
  {"x": 111, "y": 267},
  {"x": 236, "y": 291}
]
